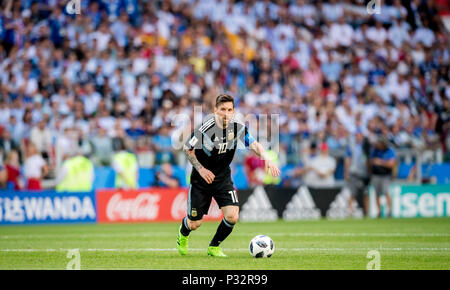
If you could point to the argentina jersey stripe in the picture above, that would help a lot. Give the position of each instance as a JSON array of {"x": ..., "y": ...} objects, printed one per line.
[{"x": 207, "y": 125}]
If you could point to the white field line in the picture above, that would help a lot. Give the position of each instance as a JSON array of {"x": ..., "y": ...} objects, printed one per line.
[
  {"x": 397, "y": 249},
  {"x": 169, "y": 234}
]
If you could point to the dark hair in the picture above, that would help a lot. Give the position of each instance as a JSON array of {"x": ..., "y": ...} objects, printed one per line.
[
  {"x": 224, "y": 98},
  {"x": 120, "y": 144}
]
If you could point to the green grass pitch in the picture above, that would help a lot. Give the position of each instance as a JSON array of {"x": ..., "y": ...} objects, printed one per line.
[{"x": 323, "y": 244}]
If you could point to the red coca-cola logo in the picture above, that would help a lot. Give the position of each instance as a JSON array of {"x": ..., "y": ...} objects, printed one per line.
[
  {"x": 143, "y": 207},
  {"x": 179, "y": 206},
  {"x": 151, "y": 204}
]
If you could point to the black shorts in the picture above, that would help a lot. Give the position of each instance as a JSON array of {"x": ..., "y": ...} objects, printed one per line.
[{"x": 199, "y": 198}]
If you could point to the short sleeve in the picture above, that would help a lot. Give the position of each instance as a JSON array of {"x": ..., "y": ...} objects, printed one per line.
[
  {"x": 42, "y": 162},
  {"x": 245, "y": 137},
  {"x": 194, "y": 140},
  {"x": 390, "y": 154},
  {"x": 199, "y": 135}
]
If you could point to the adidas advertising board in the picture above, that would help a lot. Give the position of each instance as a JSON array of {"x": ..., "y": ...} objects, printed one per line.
[
  {"x": 339, "y": 207},
  {"x": 270, "y": 203},
  {"x": 301, "y": 206},
  {"x": 258, "y": 207}
]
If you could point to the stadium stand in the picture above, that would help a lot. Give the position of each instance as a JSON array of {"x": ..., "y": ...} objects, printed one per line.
[{"x": 125, "y": 69}]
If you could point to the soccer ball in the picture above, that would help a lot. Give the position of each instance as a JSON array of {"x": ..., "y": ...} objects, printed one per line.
[{"x": 261, "y": 246}]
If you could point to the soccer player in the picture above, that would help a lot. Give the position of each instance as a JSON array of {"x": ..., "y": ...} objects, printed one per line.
[{"x": 211, "y": 149}]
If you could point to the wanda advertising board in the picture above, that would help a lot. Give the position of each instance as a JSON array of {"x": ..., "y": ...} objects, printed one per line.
[{"x": 146, "y": 205}]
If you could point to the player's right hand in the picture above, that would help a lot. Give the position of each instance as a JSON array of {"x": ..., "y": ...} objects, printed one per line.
[
  {"x": 207, "y": 175},
  {"x": 272, "y": 168}
]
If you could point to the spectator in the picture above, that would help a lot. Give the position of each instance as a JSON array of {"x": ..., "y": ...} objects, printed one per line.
[
  {"x": 126, "y": 168},
  {"x": 443, "y": 124},
  {"x": 356, "y": 170},
  {"x": 136, "y": 130},
  {"x": 140, "y": 63},
  {"x": 377, "y": 34},
  {"x": 254, "y": 170},
  {"x": 382, "y": 162},
  {"x": 294, "y": 177},
  {"x": 41, "y": 137},
  {"x": 7, "y": 144},
  {"x": 91, "y": 99},
  {"x": 103, "y": 148},
  {"x": 76, "y": 175},
  {"x": 165, "y": 176},
  {"x": 12, "y": 167},
  {"x": 3, "y": 177},
  {"x": 4, "y": 112},
  {"x": 35, "y": 168},
  {"x": 341, "y": 33},
  {"x": 320, "y": 169},
  {"x": 163, "y": 145},
  {"x": 313, "y": 76},
  {"x": 309, "y": 152},
  {"x": 66, "y": 144},
  {"x": 23, "y": 127}
]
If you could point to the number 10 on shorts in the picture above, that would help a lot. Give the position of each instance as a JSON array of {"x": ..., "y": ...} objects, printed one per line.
[{"x": 233, "y": 196}]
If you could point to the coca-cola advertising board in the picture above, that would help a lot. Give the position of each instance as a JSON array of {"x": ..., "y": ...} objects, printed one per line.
[{"x": 147, "y": 205}]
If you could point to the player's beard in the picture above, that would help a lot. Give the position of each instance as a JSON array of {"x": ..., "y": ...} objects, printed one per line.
[{"x": 224, "y": 121}]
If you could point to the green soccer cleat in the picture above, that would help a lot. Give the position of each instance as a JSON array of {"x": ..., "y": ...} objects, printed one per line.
[
  {"x": 215, "y": 252},
  {"x": 182, "y": 243}
]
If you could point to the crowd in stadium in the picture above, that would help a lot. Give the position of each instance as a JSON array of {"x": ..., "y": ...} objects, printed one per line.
[{"x": 124, "y": 69}]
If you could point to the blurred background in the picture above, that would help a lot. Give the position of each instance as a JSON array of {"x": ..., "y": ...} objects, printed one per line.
[{"x": 112, "y": 80}]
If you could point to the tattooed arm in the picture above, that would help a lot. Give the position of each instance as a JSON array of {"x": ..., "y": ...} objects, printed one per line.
[{"x": 207, "y": 175}]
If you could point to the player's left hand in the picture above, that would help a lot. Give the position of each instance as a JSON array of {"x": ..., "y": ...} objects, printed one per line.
[{"x": 274, "y": 170}]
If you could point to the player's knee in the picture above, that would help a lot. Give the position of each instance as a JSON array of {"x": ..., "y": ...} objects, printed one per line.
[
  {"x": 232, "y": 218},
  {"x": 193, "y": 225}
]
